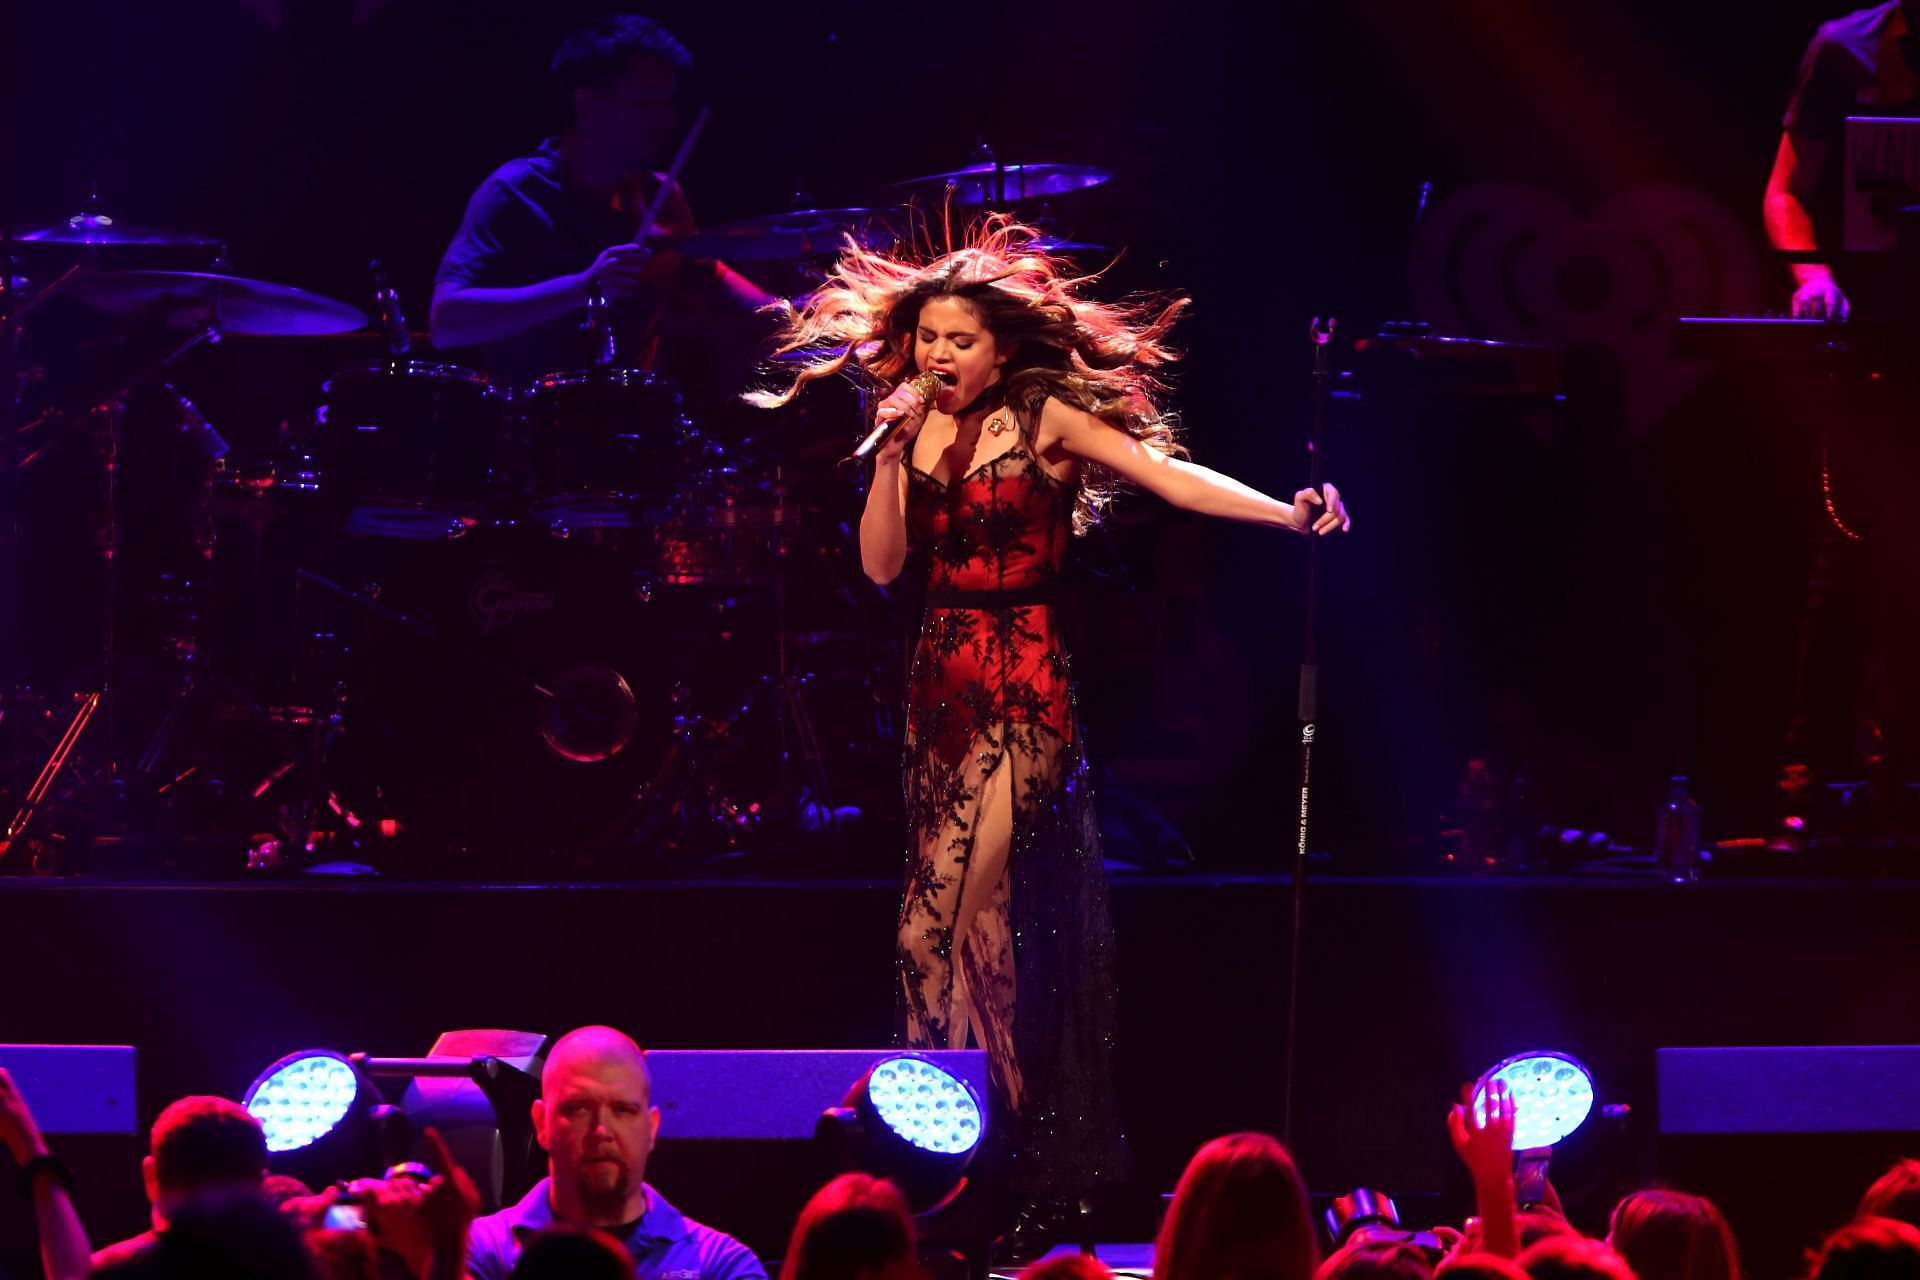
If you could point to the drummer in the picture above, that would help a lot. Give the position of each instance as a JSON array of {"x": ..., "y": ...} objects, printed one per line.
[{"x": 543, "y": 229}]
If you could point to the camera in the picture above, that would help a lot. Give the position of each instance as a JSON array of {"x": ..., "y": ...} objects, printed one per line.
[
  {"x": 1372, "y": 1216},
  {"x": 348, "y": 1210}
]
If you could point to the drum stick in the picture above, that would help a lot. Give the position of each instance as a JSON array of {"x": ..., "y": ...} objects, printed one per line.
[{"x": 673, "y": 175}]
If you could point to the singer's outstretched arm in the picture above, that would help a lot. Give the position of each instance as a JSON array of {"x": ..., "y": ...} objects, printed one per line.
[{"x": 1079, "y": 434}]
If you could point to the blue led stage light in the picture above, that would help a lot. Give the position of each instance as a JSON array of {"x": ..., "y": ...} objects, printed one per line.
[
  {"x": 302, "y": 1098},
  {"x": 926, "y": 1105},
  {"x": 1552, "y": 1096}
]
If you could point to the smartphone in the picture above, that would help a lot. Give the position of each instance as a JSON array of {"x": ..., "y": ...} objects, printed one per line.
[
  {"x": 1530, "y": 1178},
  {"x": 345, "y": 1217}
]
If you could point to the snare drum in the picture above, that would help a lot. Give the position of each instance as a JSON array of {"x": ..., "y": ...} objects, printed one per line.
[
  {"x": 612, "y": 435},
  {"x": 411, "y": 449}
]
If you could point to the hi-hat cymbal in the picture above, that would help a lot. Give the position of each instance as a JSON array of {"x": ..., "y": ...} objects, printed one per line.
[
  {"x": 803, "y": 233},
  {"x": 980, "y": 183},
  {"x": 102, "y": 229},
  {"x": 192, "y": 299}
]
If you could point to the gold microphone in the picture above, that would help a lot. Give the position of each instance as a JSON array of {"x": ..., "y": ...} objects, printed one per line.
[{"x": 927, "y": 384}]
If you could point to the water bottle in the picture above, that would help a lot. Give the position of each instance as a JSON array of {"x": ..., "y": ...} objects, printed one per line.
[{"x": 1676, "y": 833}]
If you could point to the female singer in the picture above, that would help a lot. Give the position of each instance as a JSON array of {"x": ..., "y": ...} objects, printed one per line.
[{"x": 1025, "y": 406}]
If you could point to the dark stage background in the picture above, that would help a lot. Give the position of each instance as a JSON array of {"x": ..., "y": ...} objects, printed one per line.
[{"x": 1581, "y": 595}]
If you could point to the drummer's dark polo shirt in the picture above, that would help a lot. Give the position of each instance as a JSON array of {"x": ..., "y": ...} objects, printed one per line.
[{"x": 522, "y": 227}]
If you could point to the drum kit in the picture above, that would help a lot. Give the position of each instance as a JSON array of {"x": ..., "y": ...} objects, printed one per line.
[{"x": 428, "y": 623}]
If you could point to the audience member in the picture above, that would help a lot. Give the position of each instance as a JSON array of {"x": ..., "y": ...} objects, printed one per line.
[
  {"x": 1572, "y": 1257},
  {"x": 1240, "y": 1210},
  {"x": 1483, "y": 1139},
  {"x": 283, "y": 1189},
  {"x": 596, "y": 1119},
  {"x": 1536, "y": 1225},
  {"x": 1068, "y": 1266},
  {"x": 220, "y": 1233},
  {"x": 1366, "y": 1258},
  {"x": 1670, "y": 1235},
  {"x": 200, "y": 1145},
  {"x": 344, "y": 1255},
  {"x": 854, "y": 1228},
  {"x": 64, "y": 1251},
  {"x": 1870, "y": 1249},
  {"x": 1479, "y": 1266},
  {"x": 567, "y": 1251}
]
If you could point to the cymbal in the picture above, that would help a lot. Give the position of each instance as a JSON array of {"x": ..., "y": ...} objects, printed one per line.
[
  {"x": 1054, "y": 244},
  {"x": 190, "y": 298},
  {"x": 102, "y": 229},
  {"x": 975, "y": 183},
  {"x": 803, "y": 233}
]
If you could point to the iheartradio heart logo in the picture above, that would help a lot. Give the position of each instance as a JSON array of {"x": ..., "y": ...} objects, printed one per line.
[{"x": 1511, "y": 261}]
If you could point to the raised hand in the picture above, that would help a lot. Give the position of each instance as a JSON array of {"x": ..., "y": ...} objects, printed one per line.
[
  {"x": 395, "y": 1209},
  {"x": 1485, "y": 1146},
  {"x": 450, "y": 1201},
  {"x": 18, "y": 1130}
]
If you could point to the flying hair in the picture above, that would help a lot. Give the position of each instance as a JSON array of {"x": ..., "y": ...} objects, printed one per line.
[{"x": 1106, "y": 358}]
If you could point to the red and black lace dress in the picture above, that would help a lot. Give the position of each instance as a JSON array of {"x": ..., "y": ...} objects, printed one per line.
[{"x": 993, "y": 761}]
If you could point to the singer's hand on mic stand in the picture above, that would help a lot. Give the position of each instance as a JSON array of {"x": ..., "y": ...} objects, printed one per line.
[{"x": 1320, "y": 511}]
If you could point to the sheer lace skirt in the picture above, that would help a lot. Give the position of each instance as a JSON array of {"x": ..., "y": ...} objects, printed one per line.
[{"x": 1006, "y": 941}]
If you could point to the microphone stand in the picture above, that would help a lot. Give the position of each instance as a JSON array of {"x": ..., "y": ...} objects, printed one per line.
[{"x": 1307, "y": 711}]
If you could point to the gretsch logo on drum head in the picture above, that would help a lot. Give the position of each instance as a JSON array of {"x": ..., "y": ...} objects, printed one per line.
[{"x": 495, "y": 602}]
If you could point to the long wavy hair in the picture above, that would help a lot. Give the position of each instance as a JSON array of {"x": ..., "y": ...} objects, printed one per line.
[
  {"x": 1670, "y": 1235},
  {"x": 1239, "y": 1213},
  {"x": 1107, "y": 358},
  {"x": 856, "y": 1227}
]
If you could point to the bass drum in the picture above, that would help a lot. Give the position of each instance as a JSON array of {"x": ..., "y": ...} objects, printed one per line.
[{"x": 510, "y": 700}]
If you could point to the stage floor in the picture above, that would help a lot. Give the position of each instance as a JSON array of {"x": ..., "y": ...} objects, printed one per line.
[{"x": 1412, "y": 985}]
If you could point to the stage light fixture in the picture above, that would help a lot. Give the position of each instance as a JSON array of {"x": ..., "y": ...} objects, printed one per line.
[
  {"x": 1552, "y": 1096},
  {"x": 909, "y": 1120},
  {"x": 303, "y": 1097},
  {"x": 324, "y": 1119},
  {"x": 926, "y": 1105}
]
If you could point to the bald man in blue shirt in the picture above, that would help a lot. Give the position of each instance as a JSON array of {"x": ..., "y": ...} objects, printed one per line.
[{"x": 597, "y": 1121}]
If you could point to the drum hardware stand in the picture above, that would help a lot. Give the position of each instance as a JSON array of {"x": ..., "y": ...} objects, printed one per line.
[
  {"x": 16, "y": 695},
  {"x": 16, "y": 827},
  {"x": 112, "y": 409},
  {"x": 388, "y": 315},
  {"x": 795, "y": 725},
  {"x": 13, "y": 691},
  {"x": 1321, "y": 335},
  {"x": 688, "y": 793},
  {"x": 602, "y": 345}
]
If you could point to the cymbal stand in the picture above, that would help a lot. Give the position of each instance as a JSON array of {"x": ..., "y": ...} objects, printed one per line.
[
  {"x": 13, "y": 693},
  {"x": 796, "y": 735},
  {"x": 113, "y": 408}
]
